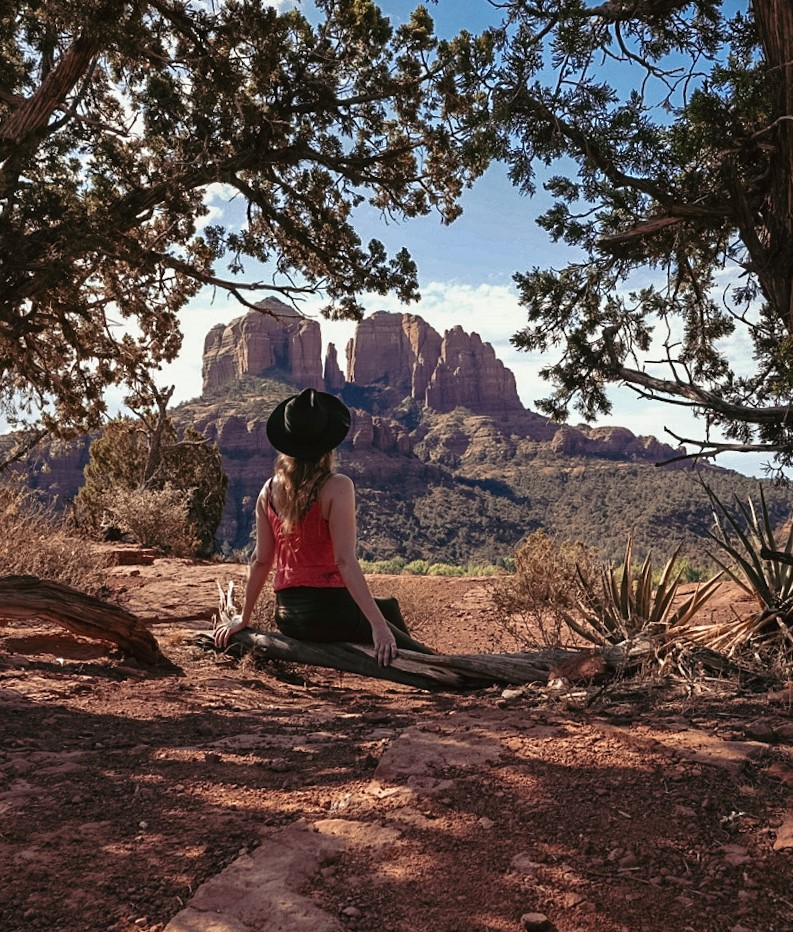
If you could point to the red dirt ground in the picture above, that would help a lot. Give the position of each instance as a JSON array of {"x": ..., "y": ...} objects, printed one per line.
[{"x": 122, "y": 792}]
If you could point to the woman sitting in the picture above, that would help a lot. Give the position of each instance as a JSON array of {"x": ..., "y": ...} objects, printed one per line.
[{"x": 305, "y": 524}]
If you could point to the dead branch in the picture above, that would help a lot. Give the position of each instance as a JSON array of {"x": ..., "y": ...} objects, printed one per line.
[
  {"x": 451, "y": 671},
  {"x": 28, "y": 597}
]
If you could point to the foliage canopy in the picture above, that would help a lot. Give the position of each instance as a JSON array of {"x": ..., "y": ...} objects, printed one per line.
[
  {"x": 677, "y": 119},
  {"x": 117, "y": 119}
]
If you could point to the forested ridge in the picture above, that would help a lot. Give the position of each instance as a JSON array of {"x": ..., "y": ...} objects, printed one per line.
[{"x": 474, "y": 507}]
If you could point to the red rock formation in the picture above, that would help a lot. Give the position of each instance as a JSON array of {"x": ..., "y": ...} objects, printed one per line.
[
  {"x": 469, "y": 375},
  {"x": 398, "y": 350},
  {"x": 334, "y": 377},
  {"x": 250, "y": 345}
]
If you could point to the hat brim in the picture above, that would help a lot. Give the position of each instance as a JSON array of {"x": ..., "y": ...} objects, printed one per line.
[{"x": 337, "y": 428}]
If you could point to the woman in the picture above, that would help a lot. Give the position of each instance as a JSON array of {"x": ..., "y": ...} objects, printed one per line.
[{"x": 305, "y": 523}]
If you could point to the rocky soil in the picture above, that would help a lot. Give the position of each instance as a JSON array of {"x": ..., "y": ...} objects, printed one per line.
[{"x": 241, "y": 799}]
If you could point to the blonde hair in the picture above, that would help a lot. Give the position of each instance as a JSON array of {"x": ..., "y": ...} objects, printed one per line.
[{"x": 294, "y": 482}]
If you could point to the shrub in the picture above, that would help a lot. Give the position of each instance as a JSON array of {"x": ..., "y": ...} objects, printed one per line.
[
  {"x": 753, "y": 560},
  {"x": 36, "y": 540},
  {"x": 156, "y": 518},
  {"x": 537, "y": 599},
  {"x": 117, "y": 462},
  {"x": 392, "y": 567},
  {"x": 417, "y": 567},
  {"x": 446, "y": 569},
  {"x": 619, "y": 605}
]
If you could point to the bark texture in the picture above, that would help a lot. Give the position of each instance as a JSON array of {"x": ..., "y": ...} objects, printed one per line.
[{"x": 28, "y": 597}]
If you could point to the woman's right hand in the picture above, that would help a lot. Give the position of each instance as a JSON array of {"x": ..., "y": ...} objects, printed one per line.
[{"x": 385, "y": 648}]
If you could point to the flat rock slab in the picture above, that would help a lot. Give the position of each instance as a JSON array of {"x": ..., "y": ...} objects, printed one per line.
[
  {"x": 260, "y": 890},
  {"x": 692, "y": 745},
  {"x": 423, "y": 755}
]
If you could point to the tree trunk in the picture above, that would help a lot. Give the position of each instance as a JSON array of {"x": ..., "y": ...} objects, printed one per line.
[
  {"x": 774, "y": 19},
  {"x": 29, "y": 597}
]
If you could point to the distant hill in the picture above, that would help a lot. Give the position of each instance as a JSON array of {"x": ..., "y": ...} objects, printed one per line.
[{"x": 449, "y": 465}]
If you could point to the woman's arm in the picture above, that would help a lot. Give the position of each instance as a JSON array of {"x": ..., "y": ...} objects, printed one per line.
[
  {"x": 341, "y": 520},
  {"x": 258, "y": 571}
]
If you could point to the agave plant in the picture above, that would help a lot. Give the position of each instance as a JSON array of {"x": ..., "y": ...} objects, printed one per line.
[
  {"x": 622, "y": 607},
  {"x": 761, "y": 569}
]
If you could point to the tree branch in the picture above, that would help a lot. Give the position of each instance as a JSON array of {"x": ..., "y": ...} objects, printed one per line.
[{"x": 777, "y": 415}]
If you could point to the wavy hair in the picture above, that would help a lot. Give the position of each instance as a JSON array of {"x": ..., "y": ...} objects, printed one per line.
[{"x": 294, "y": 482}]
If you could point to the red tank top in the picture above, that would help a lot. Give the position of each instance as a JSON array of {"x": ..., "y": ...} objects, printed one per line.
[{"x": 305, "y": 557}]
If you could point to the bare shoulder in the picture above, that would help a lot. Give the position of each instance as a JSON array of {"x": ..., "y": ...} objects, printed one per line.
[{"x": 337, "y": 484}]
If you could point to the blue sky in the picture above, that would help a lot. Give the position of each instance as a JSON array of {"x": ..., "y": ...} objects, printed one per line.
[{"x": 465, "y": 274}]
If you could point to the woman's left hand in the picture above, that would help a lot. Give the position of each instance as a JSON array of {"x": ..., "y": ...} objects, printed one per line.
[
  {"x": 385, "y": 648},
  {"x": 224, "y": 632}
]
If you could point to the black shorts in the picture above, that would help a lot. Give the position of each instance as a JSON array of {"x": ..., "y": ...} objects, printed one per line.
[{"x": 309, "y": 613}]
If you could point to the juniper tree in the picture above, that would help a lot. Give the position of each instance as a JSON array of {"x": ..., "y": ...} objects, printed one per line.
[
  {"x": 116, "y": 118},
  {"x": 672, "y": 121}
]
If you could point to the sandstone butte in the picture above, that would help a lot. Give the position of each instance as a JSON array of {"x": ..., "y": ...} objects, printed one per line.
[
  {"x": 408, "y": 359},
  {"x": 393, "y": 360}
]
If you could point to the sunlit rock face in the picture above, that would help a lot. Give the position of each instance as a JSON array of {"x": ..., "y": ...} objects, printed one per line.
[
  {"x": 468, "y": 375},
  {"x": 397, "y": 350},
  {"x": 405, "y": 353},
  {"x": 278, "y": 337}
]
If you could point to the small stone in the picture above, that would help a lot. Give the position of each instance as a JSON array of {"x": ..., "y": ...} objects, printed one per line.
[
  {"x": 629, "y": 860},
  {"x": 486, "y": 823},
  {"x": 784, "y": 834},
  {"x": 685, "y": 811},
  {"x": 280, "y": 765},
  {"x": 571, "y": 900},
  {"x": 142, "y": 922},
  {"x": 523, "y": 863},
  {"x": 352, "y": 912},
  {"x": 536, "y": 922}
]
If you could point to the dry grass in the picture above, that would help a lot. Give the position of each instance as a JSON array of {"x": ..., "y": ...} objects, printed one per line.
[
  {"x": 35, "y": 540},
  {"x": 537, "y": 600}
]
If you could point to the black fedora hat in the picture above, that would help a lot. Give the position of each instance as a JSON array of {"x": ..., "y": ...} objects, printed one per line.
[{"x": 308, "y": 425}]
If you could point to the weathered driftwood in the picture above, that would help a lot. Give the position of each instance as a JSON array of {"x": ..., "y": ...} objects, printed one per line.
[
  {"x": 426, "y": 671},
  {"x": 454, "y": 671},
  {"x": 28, "y": 597}
]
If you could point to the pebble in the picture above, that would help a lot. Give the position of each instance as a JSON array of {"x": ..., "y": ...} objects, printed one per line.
[
  {"x": 280, "y": 765},
  {"x": 524, "y": 863},
  {"x": 352, "y": 912},
  {"x": 536, "y": 922},
  {"x": 486, "y": 823}
]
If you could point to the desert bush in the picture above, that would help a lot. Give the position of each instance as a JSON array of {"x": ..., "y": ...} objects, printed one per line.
[
  {"x": 536, "y": 601},
  {"x": 445, "y": 569},
  {"x": 416, "y": 609},
  {"x": 416, "y": 567},
  {"x": 561, "y": 595},
  {"x": 392, "y": 567},
  {"x": 37, "y": 540},
  {"x": 117, "y": 462},
  {"x": 156, "y": 518}
]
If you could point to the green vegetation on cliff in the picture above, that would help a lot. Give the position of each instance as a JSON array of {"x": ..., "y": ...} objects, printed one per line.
[{"x": 476, "y": 486}]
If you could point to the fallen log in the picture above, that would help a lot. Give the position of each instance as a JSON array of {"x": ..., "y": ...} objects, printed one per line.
[
  {"x": 29, "y": 597},
  {"x": 455, "y": 671},
  {"x": 425, "y": 671}
]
